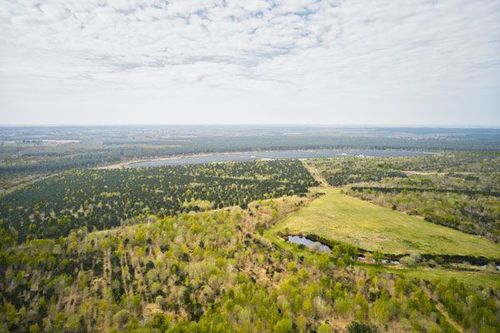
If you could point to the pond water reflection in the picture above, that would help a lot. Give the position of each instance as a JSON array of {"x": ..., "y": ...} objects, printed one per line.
[{"x": 314, "y": 245}]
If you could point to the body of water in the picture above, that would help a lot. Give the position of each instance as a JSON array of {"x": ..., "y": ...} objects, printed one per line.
[
  {"x": 274, "y": 154},
  {"x": 309, "y": 243}
]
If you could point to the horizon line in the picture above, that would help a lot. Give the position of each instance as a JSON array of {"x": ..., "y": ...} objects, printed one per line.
[{"x": 331, "y": 125}]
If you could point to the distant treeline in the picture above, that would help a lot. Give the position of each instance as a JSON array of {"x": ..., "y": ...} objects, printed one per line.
[
  {"x": 57, "y": 158},
  {"x": 416, "y": 189}
]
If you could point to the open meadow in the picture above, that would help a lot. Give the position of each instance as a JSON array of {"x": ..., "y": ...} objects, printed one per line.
[{"x": 339, "y": 217}]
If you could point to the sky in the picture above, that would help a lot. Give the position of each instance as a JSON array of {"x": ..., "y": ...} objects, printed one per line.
[{"x": 381, "y": 62}]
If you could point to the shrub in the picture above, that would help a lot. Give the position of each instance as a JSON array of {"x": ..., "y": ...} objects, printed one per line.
[
  {"x": 356, "y": 327},
  {"x": 283, "y": 326},
  {"x": 121, "y": 318},
  {"x": 325, "y": 328}
]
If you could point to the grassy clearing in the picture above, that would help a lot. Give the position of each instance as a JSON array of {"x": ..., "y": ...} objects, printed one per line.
[
  {"x": 343, "y": 218},
  {"x": 471, "y": 278}
]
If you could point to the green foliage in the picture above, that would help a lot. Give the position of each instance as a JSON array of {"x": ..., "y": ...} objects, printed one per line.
[
  {"x": 337, "y": 217},
  {"x": 210, "y": 271},
  {"x": 101, "y": 199},
  {"x": 342, "y": 171},
  {"x": 471, "y": 308},
  {"x": 475, "y": 214},
  {"x": 356, "y": 327},
  {"x": 284, "y": 325},
  {"x": 457, "y": 190},
  {"x": 195, "y": 272},
  {"x": 121, "y": 318},
  {"x": 325, "y": 328}
]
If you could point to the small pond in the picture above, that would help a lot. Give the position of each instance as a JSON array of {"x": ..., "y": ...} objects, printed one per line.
[
  {"x": 299, "y": 240},
  {"x": 320, "y": 247}
]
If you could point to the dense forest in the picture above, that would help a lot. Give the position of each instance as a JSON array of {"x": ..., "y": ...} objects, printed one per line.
[
  {"x": 213, "y": 272},
  {"x": 101, "y": 199},
  {"x": 469, "y": 166}
]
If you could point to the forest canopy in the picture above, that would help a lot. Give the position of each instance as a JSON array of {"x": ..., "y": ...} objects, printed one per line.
[{"x": 100, "y": 199}]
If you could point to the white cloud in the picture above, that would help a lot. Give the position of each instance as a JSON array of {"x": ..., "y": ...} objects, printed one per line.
[{"x": 342, "y": 61}]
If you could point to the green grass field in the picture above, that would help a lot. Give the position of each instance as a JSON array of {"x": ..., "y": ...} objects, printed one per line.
[{"x": 343, "y": 218}]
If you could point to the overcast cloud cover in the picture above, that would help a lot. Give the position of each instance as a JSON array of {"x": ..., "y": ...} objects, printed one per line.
[{"x": 253, "y": 61}]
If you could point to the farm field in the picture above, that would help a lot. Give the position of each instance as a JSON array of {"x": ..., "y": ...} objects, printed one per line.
[{"x": 339, "y": 217}]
